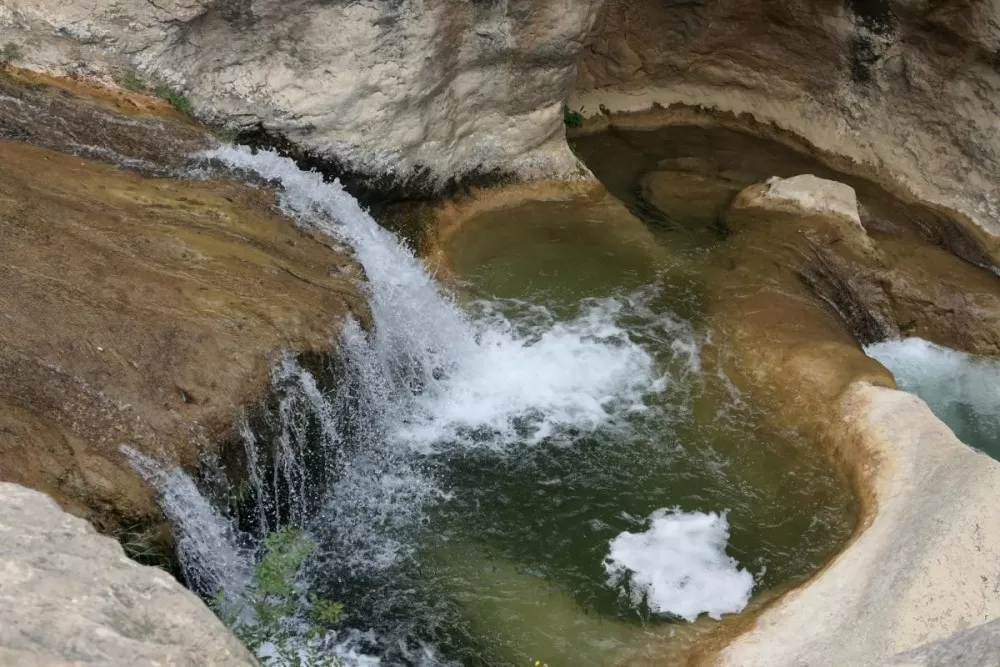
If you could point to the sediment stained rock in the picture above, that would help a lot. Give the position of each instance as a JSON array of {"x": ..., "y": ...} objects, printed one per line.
[{"x": 143, "y": 312}]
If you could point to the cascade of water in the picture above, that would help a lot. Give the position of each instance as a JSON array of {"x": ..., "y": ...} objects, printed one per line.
[
  {"x": 207, "y": 542},
  {"x": 428, "y": 378}
]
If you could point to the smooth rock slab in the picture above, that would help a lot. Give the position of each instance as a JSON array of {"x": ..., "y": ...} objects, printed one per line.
[
  {"x": 926, "y": 566},
  {"x": 976, "y": 647},
  {"x": 69, "y": 596}
]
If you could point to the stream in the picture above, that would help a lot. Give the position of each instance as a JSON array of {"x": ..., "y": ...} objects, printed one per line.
[{"x": 535, "y": 462}]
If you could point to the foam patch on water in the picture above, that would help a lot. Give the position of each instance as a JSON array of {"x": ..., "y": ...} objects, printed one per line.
[
  {"x": 680, "y": 566},
  {"x": 963, "y": 390},
  {"x": 525, "y": 388}
]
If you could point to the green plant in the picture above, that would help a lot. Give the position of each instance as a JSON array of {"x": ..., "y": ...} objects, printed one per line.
[
  {"x": 273, "y": 610},
  {"x": 130, "y": 80},
  {"x": 572, "y": 118},
  {"x": 229, "y": 133},
  {"x": 10, "y": 52},
  {"x": 176, "y": 98}
]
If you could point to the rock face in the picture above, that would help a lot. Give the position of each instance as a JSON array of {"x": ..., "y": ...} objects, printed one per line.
[
  {"x": 138, "y": 311},
  {"x": 422, "y": 90},
  {"x": 909, "y": 89},
  {"x": 71, "y": 597},
  {"x": 923, "y": 563}
]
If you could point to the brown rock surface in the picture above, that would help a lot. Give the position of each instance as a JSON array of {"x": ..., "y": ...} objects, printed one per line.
[{"x": 144, "y": 312}]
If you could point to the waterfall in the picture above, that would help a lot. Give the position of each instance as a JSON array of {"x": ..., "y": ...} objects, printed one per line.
[
  {"x": 348, "y": 462},
  {"x": 442, "y": 376}
]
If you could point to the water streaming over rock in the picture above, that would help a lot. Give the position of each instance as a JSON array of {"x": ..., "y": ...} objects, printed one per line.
[
  {"x": 350, "y": 463},
  {"x": 963, "y": 390}
]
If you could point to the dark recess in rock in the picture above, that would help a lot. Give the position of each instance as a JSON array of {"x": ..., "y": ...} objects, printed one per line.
[{"x": 379, "y": 191}]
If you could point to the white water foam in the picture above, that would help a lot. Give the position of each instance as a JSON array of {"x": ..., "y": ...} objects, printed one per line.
[
  {"x": 963, "y": 390},
  {"x": 451, "y": 379},
  {"x": 680, "y": 566},
  {"x": 207, "y": 543}
]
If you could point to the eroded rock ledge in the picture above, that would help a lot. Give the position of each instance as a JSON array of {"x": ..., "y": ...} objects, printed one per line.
[
  {"x": 923, "y": 563},
  {"x": 908, "y": 90}
]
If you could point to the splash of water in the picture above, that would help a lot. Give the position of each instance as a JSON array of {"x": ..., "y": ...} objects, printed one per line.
[
  {"x": 679, "y": 566},
  {"x": 442, "y": 377},
  {"x": 207, "y": 542}
]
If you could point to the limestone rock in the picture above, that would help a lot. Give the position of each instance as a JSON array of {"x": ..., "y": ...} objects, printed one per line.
[
  {"x": 70, "y": 597},
  {"x": 906, "y": 89},
  {"x": 416, "y": 89},
  {"x": 815, "y": 194},
  {"x": 923, "y": 567}
]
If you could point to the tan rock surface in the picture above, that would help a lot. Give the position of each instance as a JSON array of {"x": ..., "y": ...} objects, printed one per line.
[
  {"x": 144, "y": 312},
  {"x": 69, "y": 596}
]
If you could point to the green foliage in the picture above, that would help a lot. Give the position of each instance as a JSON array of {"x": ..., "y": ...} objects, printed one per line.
[
  {"x": 176, "y": 98},
  {"x": 281, "y": 613},
  {"x": 10, "y": 52},
  {"x": 230, "y": 134},
  {"x": 573, "y": 119},
  {"x": 130, "y": 80}
]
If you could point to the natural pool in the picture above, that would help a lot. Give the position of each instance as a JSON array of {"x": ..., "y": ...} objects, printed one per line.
[{"x": 540, "y": 459}]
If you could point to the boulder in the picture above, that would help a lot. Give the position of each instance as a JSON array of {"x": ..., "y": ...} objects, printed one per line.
[{"x": 69, "y": 596}]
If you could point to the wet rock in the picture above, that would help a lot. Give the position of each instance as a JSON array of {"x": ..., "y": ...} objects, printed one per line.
[
  {"x": 880, "y": 286},
  {"x": 71, "y": 597}
]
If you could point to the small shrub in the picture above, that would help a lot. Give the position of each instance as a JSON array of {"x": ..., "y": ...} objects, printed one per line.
[
  {"x": 280, "y": 612},
  {"x": 229, "y": 134},
  {"x": 140, "y": 544},
  {"x": 176, "y": 98},
  {"x": 130, "y": 80},
  {"x": 573, "y": 119},
  {"x": 10, "y": 52}
]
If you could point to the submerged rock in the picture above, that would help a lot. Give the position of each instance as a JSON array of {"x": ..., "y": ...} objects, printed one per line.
[{"x": 71, "y": 597}]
